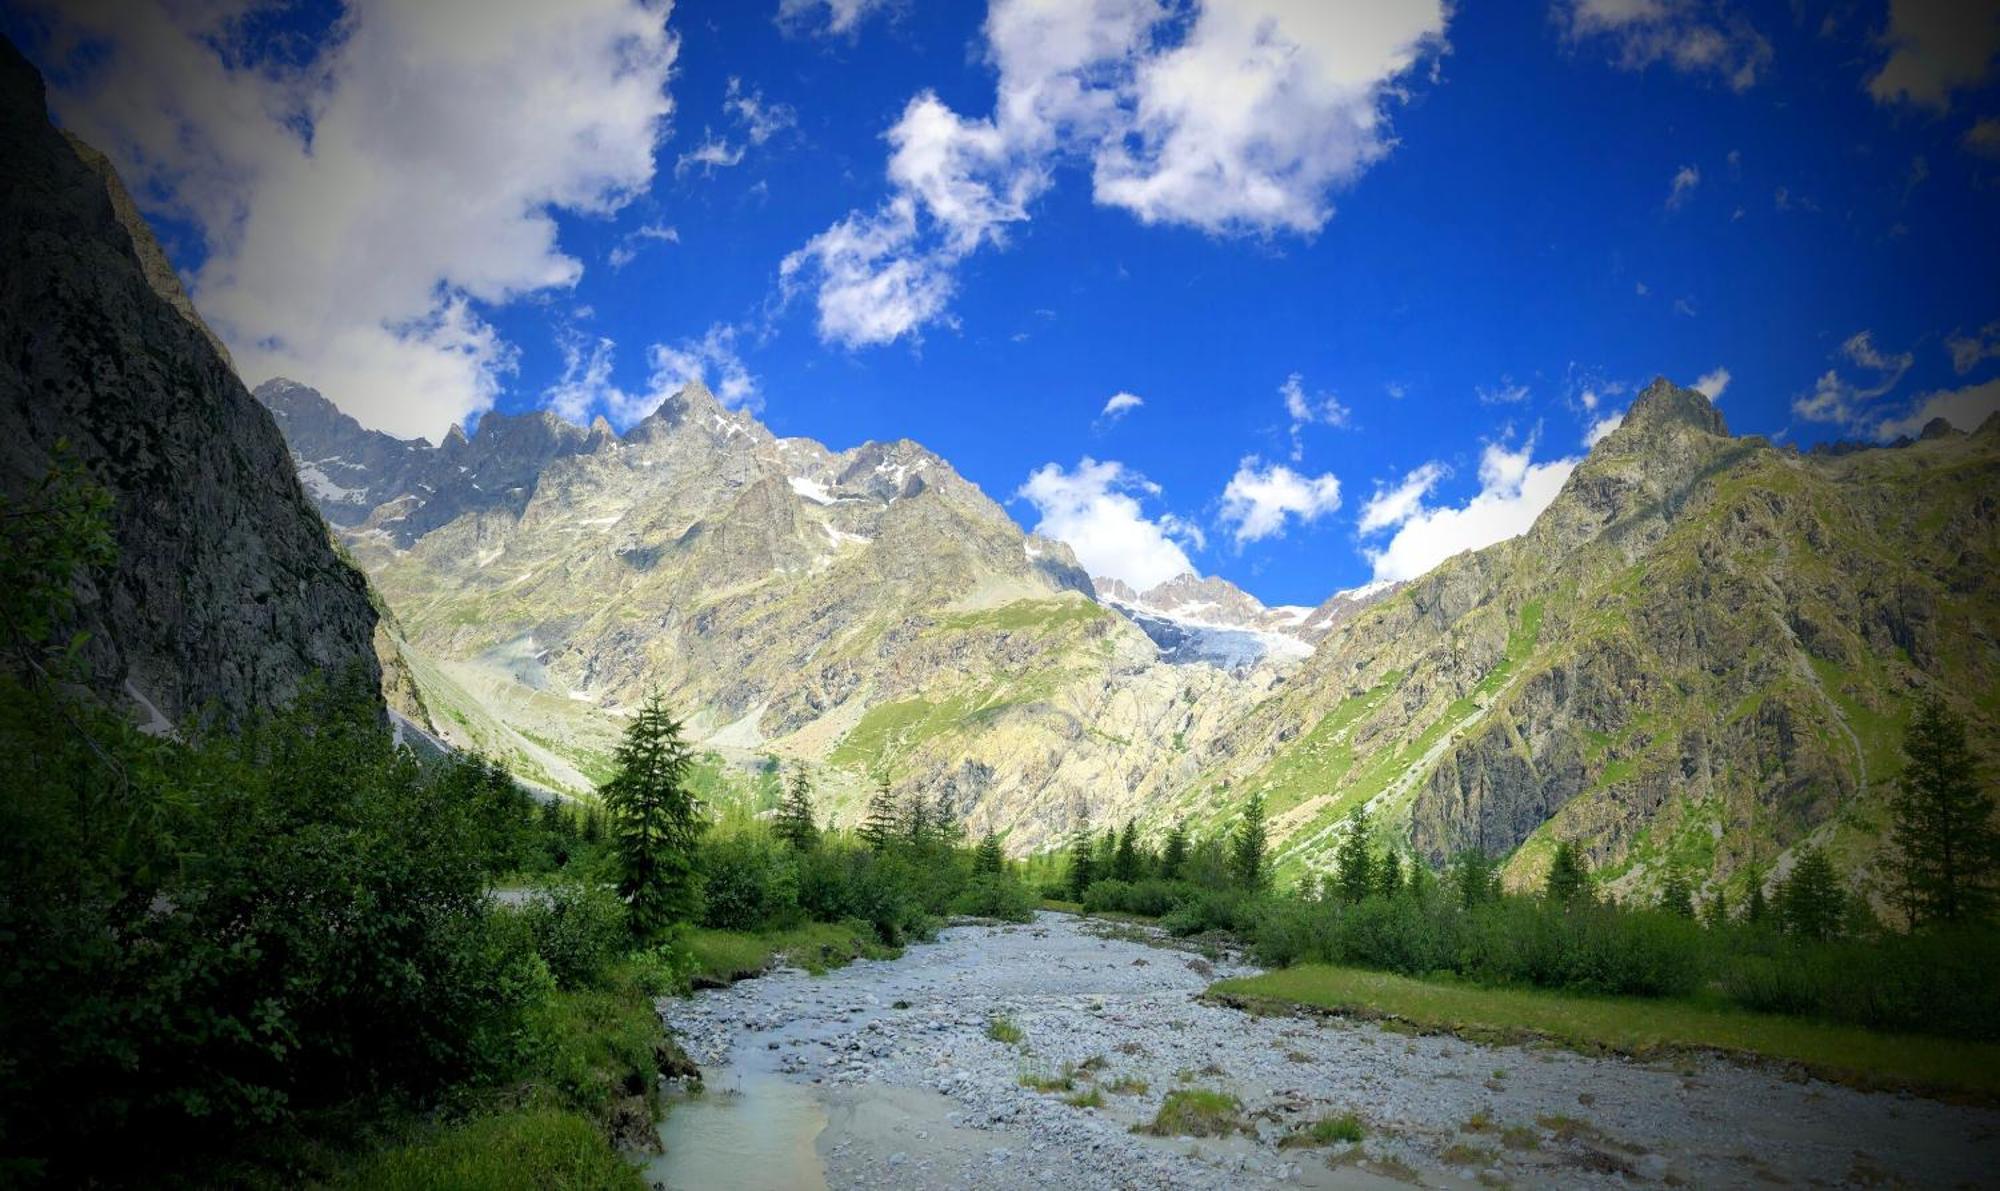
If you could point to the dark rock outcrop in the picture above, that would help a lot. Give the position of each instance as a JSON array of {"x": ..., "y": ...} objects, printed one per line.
[{"x": 227, "y": 591}]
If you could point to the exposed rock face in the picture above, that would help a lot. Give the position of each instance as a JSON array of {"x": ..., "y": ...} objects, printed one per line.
[{"x": 227, "y": 591}]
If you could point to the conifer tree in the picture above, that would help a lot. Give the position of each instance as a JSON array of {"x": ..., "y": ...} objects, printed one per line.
[
  {"x": 917, "y": 828},
  {"x": 1246, "y": 852},
  {"x": 1174, "y": 855},
  {"x": 656, "y": 820},
  {"x": 794, "y": 823},
  {"x": 1082, "y": 862},
  {"x": 1389, "y": 874},
  {"x": 1755, "y": 907},
  {"x": 879, "y": 830},
  {"x": 1676, "y": 895},
  {"x": 1716, "y": 913},
  {"x": 1357, "y": 863},
  {"x": 1125, "y": 861},
  {"x": 1569, "y": 875},
  {"x": 989, "y": 858},
  {"x": 1946, "y": 848},
  {"x": 946, "y": 831},
  {"x": 1811, "y": 903},
  {"x": 1474, "y": 878}
]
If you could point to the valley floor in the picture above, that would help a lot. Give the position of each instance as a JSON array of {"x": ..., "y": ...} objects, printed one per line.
[{"x": 883, "y": 1074}]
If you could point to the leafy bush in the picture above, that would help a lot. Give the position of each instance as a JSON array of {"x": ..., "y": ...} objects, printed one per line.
[
  {"x": 577, "y": 929},
  {"x": 1152, "y": 898},
  {"x": 526, "y": 1149},
  {"x": 748, "y": 881},
  {"x": 1225, "y": 909},
  {"x": 995, "y": 895}
]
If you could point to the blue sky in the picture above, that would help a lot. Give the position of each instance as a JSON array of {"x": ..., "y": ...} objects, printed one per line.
[{"x": 1493, "y": 226}]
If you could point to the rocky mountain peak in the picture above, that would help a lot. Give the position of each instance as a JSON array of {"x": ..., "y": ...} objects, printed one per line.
[{"x": 1664, "y": 404}]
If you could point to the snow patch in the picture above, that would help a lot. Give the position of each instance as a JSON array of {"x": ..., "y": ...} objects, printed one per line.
[{"x": 811, "y": 490}]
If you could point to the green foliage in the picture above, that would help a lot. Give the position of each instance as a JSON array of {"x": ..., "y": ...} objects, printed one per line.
[
  {"x": 1152, "y": 898},
  {"x": 1175, "y": 852},
  {"x": 1248, "y": 846},
  {"x": 1811, "y": 903},
  {"x": 1196, "y": 1112},
  {"x": 578, "y": 930},
  {"x": 1345, "y": 1129},
  {"x": 1569, "y": 875},
  {"x": 882, "y": 826},
  {"x": 1946, "y": 848},
  {"x": 794, "y": 823},
  {"x": 523, "y": 1150},
  {"x": 1676, "y": 894},
  {"x": 1475, "y": 878},
  {"x": 1004, "y": 1030},
  {"x": 1389, "y": 874},
  {"x": 1082, "y": 862},
  {"x": 1125, "y": 862},
  {"x": 995, "y": 895},
  {"x": 1356, "y": 860},
  {"x": 749, "y": 881},
  {"x": 989, "y": 858},
  {"x": 655, "y": 820}
]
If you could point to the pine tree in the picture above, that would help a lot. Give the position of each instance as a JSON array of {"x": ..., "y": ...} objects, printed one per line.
[
  {"x": 1569, "y": 875},
  {"x": 1357, "y": 863},
  {"x": 1474, "y": 878},
  {"x": 917, "y": 830},
  {"x": 882, "y": 826},
  {"x": 1389, "y": 874},
  {"x": 1125, "y": 861},
  {"x": 1716, "y": 913},
  {"x": 1755, "y": 907},
  {"x": 1082, "y": 862},
  {"x": 1676, "y": 895},
  {"x": 655, "y": 820},
  {"x": 946, "y": 830},
  {"x": 1246, "y": 852},
  {"x": 794, "y": 823},
  {"x": 1811, "y": 903},
  {"x": 1175, "y": 853},
  {"x": 1947, "y": 851},
  {"x": 989, "y": 858}
]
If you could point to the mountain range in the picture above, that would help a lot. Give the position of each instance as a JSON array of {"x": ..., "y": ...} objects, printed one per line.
[{"x": 1699, "y": 656}]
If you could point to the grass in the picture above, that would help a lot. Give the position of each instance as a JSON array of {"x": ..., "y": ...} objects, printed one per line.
[
  {"x": 1127, "y": 1085},
  {"x": 1004, "y": 1029},
  {"x": 1196, "y": 1112},
  {"x": 1041, "y": 1079},
  {"x": 1633, "y": 1026},
  {"x": 1088, "y": 1098},
  {"x": 526, "y": 1149},
  {"x": 1344, "y": 1129},
  {"x": 726, "y": 956}
]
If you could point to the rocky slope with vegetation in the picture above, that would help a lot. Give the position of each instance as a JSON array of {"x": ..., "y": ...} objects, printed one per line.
[{"x": 224, "y": 591}]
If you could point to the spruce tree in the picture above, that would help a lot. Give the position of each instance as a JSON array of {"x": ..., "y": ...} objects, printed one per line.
[
  {"x": 1676, "y": 895},
  {"x": 1715, "y": 914},
  {"x": 1569, "y": 875},
  {"x": 1125, "y": 861},
  {"x": 1811, "y": 903},
  {"x": 1174, "y": 855},
  {"x": 989, "y": 858},
  {"x": 946, "y": 831},
  {"x": 917, "y": 829},
  {"x": 655, "y": 821},
  {"x": 1082, "y": 862},
  {"x": 794, "y": 823},
  {"x": 1755, "y": 907},
  {"x": 1474, "y": 878},
  {"x": 1246, "y": 852},
  {"x": 882, "y": 826},
  {"x": 1357, "y": 863},
  {"x": 1947, "y": 851},
  {"x": 1389, "y": 874}
]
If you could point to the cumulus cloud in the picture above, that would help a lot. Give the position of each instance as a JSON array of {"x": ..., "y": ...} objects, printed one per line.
[
  {"x": 355, "y": 208},
  {"x": 1844, "y": 401},
  {"x": 586, "y": 386},
  {"x": 1098, "y": 510},
  {"x": 838, "y": 18},
  {"x": 1601, "y": 429},
  {"x": 1712, "y": 383},
  {"x": 1118, "y": 406},
  {"x": 1969, "y": 351},
  {"x": 1240, "y": 120},
  {"x": 1309, "y": 409},
  {"x": 1935, "y": 47},
  {"x": 1513, "y": 491},
  {"x": 1260, "y": 498},
  {"x": 1694, "y": 36},
  {"x": 1686, "y": 179},
  {"x": 1964, "y": 408}
]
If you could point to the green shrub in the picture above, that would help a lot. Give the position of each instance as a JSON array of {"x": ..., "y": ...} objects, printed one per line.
[
  {"x": 577, "y": 929},
  {"x": 995, "y": 895},
  {"x": 1152, "y": 898},
  {"x": 749, "y": 881},
  {"x": 1233, "y": 911},
  {"x": 527, "y": 1149}
]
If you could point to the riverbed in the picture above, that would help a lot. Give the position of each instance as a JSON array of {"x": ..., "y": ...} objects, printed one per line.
[{"x": 882, "y": 1074}]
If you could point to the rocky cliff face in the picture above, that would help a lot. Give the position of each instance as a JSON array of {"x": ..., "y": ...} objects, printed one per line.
[
  {"x": 1700, "y": 656},
  {"x": 227, "y": 591}
]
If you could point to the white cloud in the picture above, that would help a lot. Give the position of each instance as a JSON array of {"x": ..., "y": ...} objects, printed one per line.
[
  {"x": 1964, "y": 408},
  {"x": 1261, "y": 497},
  {"x": 1969, "y": 351},
  {"x": 1120, "y": 405},
  {"x": 1504, "y": 393},
  {"x": 1393, "y": 506},
  {"x": 1713, "y": 383},
  {"x": 628, "y": 248},
  {"x": 1684, "y": 307},
  {"x": 354, "y": 208},
  {"x": 586, "y": 386},
  {"x": 1305, "y": 410},
  {"x": 829, "y": 17},
  {"x": 1686, "y": 179},
  {"x": 1936, "y": 47},
  {"x": 1983, "y": 138},
  {"x": 1513, "y": 491},
  {"x": 712, "y": 154},
  {"x": 1096, "y": 509},
  {"x": 1693, "y": 36},
  {"x": 1243, "y": 126},
  {"x": 760, "y": 118},
  {"x": 1839, "y": 400},
  {"x": 1601, "y": 429}
]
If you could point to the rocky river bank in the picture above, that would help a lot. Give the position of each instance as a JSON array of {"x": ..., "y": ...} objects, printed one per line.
[{"x": 886, "y": 1074}]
